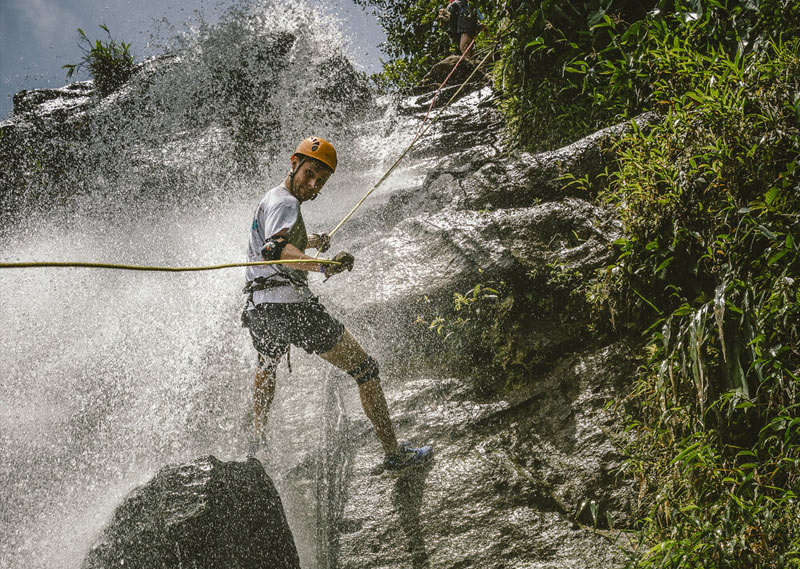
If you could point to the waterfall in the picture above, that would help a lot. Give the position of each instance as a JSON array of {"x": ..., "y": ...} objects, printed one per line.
[{"x": 109, "y": 375}]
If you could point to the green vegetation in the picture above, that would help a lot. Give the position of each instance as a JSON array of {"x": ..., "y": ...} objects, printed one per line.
[
  {"x": 502, "y": 332},
  {"x": 110, "y": 64},
  {"x": 709, "y": 268},
  {"x": 566, "y": 68},
  {"x": 708, "y": 273}
]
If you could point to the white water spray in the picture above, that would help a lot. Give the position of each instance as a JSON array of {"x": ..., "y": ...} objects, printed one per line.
[{"x": 107, "y": 376}]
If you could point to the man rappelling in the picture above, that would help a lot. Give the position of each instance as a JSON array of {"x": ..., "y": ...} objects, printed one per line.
[{"x": 281, "y": 310}]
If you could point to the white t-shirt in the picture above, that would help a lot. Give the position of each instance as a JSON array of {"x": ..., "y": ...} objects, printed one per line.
[{"x": 278, "y": 212}]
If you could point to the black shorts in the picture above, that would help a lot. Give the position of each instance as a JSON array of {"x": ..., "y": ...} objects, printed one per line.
[
  {"x": 467, "y": 24},
  {"x": 463, "y": 20},
  {"x": 273, "y": 326}
]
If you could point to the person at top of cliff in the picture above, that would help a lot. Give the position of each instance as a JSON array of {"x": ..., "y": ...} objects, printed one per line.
[
  {"x": 281, "y": 310},
  {"x": 463, "y": 17}
]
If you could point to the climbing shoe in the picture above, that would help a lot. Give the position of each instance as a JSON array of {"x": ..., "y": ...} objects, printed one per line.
[{"x": 407, "y": 457}]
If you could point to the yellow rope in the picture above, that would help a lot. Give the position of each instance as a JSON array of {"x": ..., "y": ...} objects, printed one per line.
[
  {"x": 42, "y": 264},
  {"x": 78, "y": 264},
  {"x": 410, "y": 146}
]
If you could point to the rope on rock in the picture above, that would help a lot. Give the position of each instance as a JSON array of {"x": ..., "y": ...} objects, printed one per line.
[
  {"x": 446, "y": 79},
  {"x": 419, "y": 135}
]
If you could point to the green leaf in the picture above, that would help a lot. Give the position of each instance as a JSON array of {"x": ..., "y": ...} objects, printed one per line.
[
  {"x": 689, "y": 452},
  {"x": 767, "y": 233},
  {"x": 771, "y": 195},
  {"x": 737, "y": 500},
  {"x": 664, "y": 264},
  {"x": 777, "y": 256}
]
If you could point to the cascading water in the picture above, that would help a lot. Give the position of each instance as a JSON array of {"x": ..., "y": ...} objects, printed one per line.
[{"x": 106, "y": 375}]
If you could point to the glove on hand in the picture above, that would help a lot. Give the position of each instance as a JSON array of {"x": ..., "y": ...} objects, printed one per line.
[
  {"x": 320, "y": 241},
  {"x": 346, "y": 260}
]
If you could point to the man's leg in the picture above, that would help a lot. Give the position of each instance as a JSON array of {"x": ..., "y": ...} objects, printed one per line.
[
  {"x": 263, "y": 393},
  {"x": 465, "y": 45},
  {"x": 376, "y": 409},
  {"x": 348, "y": 355}
]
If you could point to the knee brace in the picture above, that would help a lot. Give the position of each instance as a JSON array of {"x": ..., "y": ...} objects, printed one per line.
[{"x": 365, "y": 371}]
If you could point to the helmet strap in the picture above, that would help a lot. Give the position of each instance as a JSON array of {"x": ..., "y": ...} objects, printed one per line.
[{"x": 294, "y": 171}]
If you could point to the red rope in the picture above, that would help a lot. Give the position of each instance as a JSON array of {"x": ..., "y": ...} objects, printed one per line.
[{"x": 446, "y": 79}]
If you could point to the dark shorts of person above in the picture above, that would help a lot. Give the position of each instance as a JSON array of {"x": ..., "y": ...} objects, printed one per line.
[
  {"x": 273, "y": 326},
  {"x": 462, "y": 21},
  {"x": 467, "y": 24}
]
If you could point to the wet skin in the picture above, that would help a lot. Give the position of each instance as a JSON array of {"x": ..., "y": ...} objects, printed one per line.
[{"x": 308, "y": 179}]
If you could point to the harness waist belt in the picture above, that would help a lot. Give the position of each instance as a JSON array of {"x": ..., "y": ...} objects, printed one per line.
[{"x": 265, "y": 283}]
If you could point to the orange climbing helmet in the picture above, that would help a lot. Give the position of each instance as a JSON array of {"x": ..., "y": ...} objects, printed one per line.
[{"x": 320, "y": 149}]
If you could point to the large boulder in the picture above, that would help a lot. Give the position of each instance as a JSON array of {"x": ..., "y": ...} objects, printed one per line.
[{"x": 205, "y": 513}]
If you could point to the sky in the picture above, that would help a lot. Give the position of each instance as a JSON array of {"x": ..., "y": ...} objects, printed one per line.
[{"x": 37, "y": 37}]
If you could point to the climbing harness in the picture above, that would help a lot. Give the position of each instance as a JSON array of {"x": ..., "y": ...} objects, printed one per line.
[{"x": 270, "y": 282}]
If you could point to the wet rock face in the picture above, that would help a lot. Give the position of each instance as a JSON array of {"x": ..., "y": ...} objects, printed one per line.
[
  {"x": 522, "y": 475},
  {"x": 485, "y": 216},
  {"x": 44, "y": 102},
  {"x": 511, "y": 483},
  {"x": 204, "y": 513}
]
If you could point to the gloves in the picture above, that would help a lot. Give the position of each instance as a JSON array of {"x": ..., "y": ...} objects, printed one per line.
[
  {"x": 346, "y": 260},
  {"x": 320, "y": 241}
]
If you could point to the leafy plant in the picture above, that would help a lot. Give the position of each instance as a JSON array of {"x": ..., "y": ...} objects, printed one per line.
[
  {"x": 109, "y": 63},
  {"x": 497, "y": 327},
  {"x": 464, "y": 328},
  {"x": 707, "y": 272}
]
